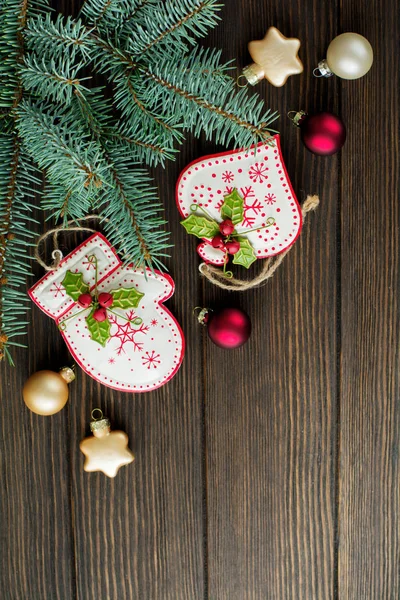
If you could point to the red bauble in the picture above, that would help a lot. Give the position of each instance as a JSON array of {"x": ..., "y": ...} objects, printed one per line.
[
  {"x": 229, "y": 327},
  {"x": 226, "y": 227},
  {"x": 218, "y": 242},
  {"x": 323, "y": 134}
]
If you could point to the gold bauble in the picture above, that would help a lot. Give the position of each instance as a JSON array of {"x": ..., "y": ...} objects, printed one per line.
[
  {"x": 349, "y": 56},
  {"x": 46, "y": 392}
]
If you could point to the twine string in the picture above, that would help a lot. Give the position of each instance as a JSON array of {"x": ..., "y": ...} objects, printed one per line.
[
  {"x": 216, "y": 276},
  {"x": 56, "y": 254}
]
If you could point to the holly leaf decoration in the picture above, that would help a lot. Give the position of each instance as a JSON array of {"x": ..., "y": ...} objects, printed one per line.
[
  {"x": 99, "y": 332},
  {"x": 246, "y": 255},
  {"x": 200, "y": 226},
  {"x": 74, "y": 285},
  {"x": 126, "y": 298},
  {"x": 232, "y": 207}
]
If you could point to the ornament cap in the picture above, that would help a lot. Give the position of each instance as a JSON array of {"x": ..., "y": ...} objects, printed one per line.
[
  {"x": 322, "y": 70},
  {"x": 297, "y": 116},
  {"x": 203, "y": 316},
  {"x": 99, "y": 426},
  {"x": 67, "y": 373},
  {"x": 253, "y": 73}
]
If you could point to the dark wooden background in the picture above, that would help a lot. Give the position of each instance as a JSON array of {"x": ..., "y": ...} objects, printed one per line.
[{"x": 270, "y": 472}]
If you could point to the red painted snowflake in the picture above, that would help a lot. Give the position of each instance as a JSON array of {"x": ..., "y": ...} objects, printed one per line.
[
  {"x": 90, "y": 262},
  {"x": 126, "y": 331},
  {"x": 111, "y": 361},
  {"x": 154, "y": 322},
  {"x": 270, "y": 199},
  {"x": 251, "y": 211},
  {"x": 151, "y": 360},
  {"x": 258, "y": 172},
  {"x": 57, "y": 289},
  {"x": 227, "y": 176}
]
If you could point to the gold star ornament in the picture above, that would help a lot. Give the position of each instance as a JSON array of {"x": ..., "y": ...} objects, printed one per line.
[
  {"x": 105, "y": 450},
  {"x": 275, "y": 58}
]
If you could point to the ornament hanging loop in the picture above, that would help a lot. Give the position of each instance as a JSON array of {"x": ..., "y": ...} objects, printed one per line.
[
  {"x": 238, "y": 81},
  {"x": 322, "y": 70},
  {"x": 97, "y": 410}
]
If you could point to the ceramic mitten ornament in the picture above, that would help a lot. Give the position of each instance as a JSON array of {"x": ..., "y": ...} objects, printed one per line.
[
  {"x": 112, "y": 317},
  {"x": 247, "y": 191}
]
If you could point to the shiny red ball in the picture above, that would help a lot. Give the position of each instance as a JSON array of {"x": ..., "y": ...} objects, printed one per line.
[
  {"x": 323, "y": 134},
  {"x": 233, "y": 247},
  {"x": 100, "y": 314},
  {"x": 85, "y": 300},
  {"x": 229, "y": 328},
  {"x": 226, "y": 227},
  {"x": 218, "y": 242},
  {"x": 105, "y": 299}
]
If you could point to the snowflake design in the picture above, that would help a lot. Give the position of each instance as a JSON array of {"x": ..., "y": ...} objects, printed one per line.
[
  {"x": 154, "y": 322},
  {"x": 270, "y": 199},
  {"x": 258, "y": 172},
  {"x": 125, "y": 332},
  {"x": 89, "y": 262},
  {"x": 111, "y": 361},
  {"x": 251, "y": 211},
  {"x": 151, "y": 360},
  {"x": 56, "y": 289},
  {"x": 227, "y": 176}
]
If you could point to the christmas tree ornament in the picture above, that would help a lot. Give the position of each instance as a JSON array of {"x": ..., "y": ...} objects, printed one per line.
[
  {"x": 322, "y": 133},
  {"x": 275, "y": 59},
  {"x": 90, "y": 144},
  {"x": 112, "y": 317},
  {"x": 349, "y": 56},
  {"x": 228, "y": 328},
  {"x": 241, "y": 204},
  {"x": 46, "y": 392},
  {"x": 106, "y": 451}
]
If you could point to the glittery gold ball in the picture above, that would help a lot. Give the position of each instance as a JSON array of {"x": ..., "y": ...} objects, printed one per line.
[{"x": 45, "y": 392}]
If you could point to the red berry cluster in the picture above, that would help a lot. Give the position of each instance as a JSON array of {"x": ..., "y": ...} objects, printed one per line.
[
  {"x": 104, "y": 301},
  {"x": 223, "y": 240}
]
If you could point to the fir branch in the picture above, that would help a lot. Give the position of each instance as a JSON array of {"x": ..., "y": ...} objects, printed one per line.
[
  {"x": 51, "y": 81},
  {"x": 17, "y": 177},
  {"x": 52, "y": 39},
  {"x": 178, "y": 22}
]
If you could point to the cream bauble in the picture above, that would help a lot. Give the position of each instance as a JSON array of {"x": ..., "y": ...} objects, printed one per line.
[
  {"x": 349, "y": 56},
  {"x": 46, "y": 392}
]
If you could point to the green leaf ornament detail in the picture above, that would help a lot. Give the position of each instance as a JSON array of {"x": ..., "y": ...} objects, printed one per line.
[
  {"x": 99, "y": 332},
  {"x": 200, "y": 227},
  {"x": 246, "y": 255},
  {"x": 232, "y": 207},
  {"x": 126, "y": 298},
  {"x": 74, "y": 285}
]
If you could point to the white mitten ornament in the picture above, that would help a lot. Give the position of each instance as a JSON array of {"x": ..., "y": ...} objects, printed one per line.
[
  {"x": 112, "y": 317},
  {"x": 241, "y": 204}
]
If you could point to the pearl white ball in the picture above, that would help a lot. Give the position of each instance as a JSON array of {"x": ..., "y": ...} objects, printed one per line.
[{"x": 350, "y": 56}]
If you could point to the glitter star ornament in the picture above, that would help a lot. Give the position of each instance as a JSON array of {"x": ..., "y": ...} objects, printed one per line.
[
  {"x": 112, "y": 317},
  {"x": 105, "y": 450},
  {"x": 275, "y": 59}
]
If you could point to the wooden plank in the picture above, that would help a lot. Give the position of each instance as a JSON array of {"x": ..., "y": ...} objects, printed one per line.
[
  {"x": 369, "y": 502},
  {"x": 271, "y": 406},
  {"x": 141, "y": 535},
  {"x": 36, "y": 533}
]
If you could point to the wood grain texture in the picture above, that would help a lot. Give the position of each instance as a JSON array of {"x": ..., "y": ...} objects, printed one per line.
[
  {"x": 266, "y": 473},
  {"x": 271, "y": 406},
  {"x": 369, "y": 501}
]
